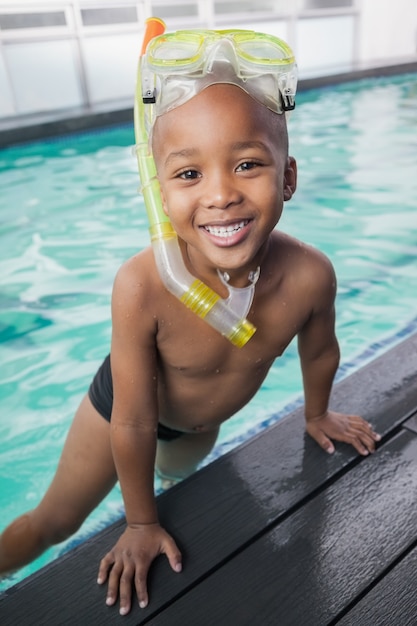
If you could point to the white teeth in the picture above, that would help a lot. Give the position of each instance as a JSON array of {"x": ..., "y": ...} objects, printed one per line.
[{"x": 226, "y": 231}]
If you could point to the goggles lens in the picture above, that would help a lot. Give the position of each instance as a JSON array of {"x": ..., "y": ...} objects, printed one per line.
[
  {"x": 186, "y": 48},
  {"x": 175, "y": 50}
]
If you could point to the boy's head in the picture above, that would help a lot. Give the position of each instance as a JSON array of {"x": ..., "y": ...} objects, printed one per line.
[
  {"x": 179, "y": 66},
  {"x": 211, "y": 114},
  {"x": 220, "y": 142},
  {"x": 223, "y": 165}
]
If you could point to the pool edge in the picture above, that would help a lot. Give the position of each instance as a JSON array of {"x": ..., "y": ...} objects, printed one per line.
[{"x": 385, "y": 389}]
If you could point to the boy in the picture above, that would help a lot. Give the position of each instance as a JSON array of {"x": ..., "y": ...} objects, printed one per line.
[{"x": 224, "y": 169}]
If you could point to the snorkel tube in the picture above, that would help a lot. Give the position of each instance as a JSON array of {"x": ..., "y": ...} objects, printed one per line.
[{"x": 223, "y": 315}]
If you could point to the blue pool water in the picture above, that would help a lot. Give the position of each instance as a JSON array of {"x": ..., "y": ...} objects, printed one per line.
[{"x": 70, "y": 215}]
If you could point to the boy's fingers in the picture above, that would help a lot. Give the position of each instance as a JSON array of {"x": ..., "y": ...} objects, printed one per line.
[
  {"x": 173, "y": 555},
  {"x": 352, "y": 430},
  {"x": 125, "y": 589},
  {"x": 363, "y": 439},
  {"x": 105, "y": 564},
  {"x": 369, "y": 443},
  {"x": 375, "y": 436},
  {"x": 367, "y": 429},
  {"x": 323, "y": 441},
  {"x": 361, "y": 448},
  {"x": 327, "y": 445},
  {"x": 141, "y": 586},
  {"x": 113, "y": 585}
]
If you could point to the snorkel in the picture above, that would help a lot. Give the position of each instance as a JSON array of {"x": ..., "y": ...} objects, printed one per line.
[
  {"x": 192, "y": 292},
  {"x": 227, "y": 316}
]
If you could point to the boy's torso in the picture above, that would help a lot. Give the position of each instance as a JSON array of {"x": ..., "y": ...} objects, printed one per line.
[{"x": 203, "y": 379}]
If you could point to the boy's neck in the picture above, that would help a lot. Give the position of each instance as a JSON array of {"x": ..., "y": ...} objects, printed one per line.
[{"x": 240, "y": 277}]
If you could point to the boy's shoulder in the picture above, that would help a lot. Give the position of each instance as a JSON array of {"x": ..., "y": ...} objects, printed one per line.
[
  {"x": 302, "y": 262},
  {"x": 139, "y": 266},
  {"x": 285, "y": 247},
  {"x": 137, "y": 278}
]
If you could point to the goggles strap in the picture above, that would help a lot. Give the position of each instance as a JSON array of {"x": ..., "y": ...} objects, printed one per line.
[
  {"x": 149, "y": 97},
  {"x": 287, "y": 103},
  {"x": 147, "y": 84}
]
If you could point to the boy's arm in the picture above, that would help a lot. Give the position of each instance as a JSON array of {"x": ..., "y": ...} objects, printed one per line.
[
  {"x": 133, "y": 439},
  {"x": 319, "y": 355}
]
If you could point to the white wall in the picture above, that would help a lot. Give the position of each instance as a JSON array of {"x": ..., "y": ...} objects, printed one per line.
[
  {"x": 388, "y": 29},
  {"x": 78, "y": 64}
]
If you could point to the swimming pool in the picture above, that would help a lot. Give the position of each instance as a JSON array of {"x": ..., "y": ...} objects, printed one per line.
[{"x": 70, "y": 215}]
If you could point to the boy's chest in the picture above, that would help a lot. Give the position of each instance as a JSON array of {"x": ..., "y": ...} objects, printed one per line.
[{"x": 188, "y": 344}]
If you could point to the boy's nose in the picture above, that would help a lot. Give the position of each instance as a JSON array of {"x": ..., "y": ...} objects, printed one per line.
[{"x": 221, "y": 192}]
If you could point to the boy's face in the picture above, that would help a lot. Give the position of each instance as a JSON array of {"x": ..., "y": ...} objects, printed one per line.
[{"x": 224, "y": 172}]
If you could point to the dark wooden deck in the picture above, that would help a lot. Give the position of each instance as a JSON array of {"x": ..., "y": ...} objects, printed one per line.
[{"x": 275, "y": 532}]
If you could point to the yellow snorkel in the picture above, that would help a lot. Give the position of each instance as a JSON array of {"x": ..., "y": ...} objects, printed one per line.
[{"x": 221, "y": 314}]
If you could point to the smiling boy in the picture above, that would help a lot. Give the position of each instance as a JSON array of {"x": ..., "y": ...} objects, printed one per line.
[{"x": 223, "y": 165}]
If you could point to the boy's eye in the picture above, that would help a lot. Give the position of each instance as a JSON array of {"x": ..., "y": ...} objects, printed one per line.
[
  {"x": 246, "y": 166},
  {"x": 189, "y": 174}
]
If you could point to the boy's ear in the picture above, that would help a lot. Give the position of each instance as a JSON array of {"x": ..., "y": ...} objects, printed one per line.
[
  {"x": 164, "y": 204},
  {"x": 290, "y": 178}
]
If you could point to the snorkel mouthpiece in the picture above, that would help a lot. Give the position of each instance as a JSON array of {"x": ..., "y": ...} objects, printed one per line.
[{"x": 175, "y": 73}]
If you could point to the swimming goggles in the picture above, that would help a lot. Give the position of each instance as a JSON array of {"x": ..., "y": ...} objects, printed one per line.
[{"x": 177, "y": 66}]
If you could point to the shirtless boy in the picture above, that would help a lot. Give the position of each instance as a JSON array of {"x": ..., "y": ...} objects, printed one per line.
[{"x": 224, "y": 169}]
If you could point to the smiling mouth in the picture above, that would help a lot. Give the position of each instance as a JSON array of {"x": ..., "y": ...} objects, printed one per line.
[{"x": 226, "y": 231}]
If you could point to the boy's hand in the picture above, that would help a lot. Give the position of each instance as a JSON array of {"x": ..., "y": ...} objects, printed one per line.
[
  {"x": 129, "y": 561},
  {"x": 340, "y": 427}
]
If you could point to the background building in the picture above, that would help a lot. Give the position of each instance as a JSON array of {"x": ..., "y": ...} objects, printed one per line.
[{"x": 65, "y": 54}]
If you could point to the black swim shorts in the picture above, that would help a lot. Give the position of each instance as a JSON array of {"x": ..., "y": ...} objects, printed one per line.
[{"x": 101, "y": 396}]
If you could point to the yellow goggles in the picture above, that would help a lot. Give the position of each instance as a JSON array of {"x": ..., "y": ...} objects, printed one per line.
[
  {"x": 179, "y": 65},
  {"x": 187, "y": 50}
]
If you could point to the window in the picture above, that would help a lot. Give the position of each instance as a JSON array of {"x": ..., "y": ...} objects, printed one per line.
[{"x": 15, "y": 21}]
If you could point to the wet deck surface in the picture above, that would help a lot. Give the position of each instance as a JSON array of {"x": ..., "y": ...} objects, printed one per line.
[{"x": 275, "y": 532}]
